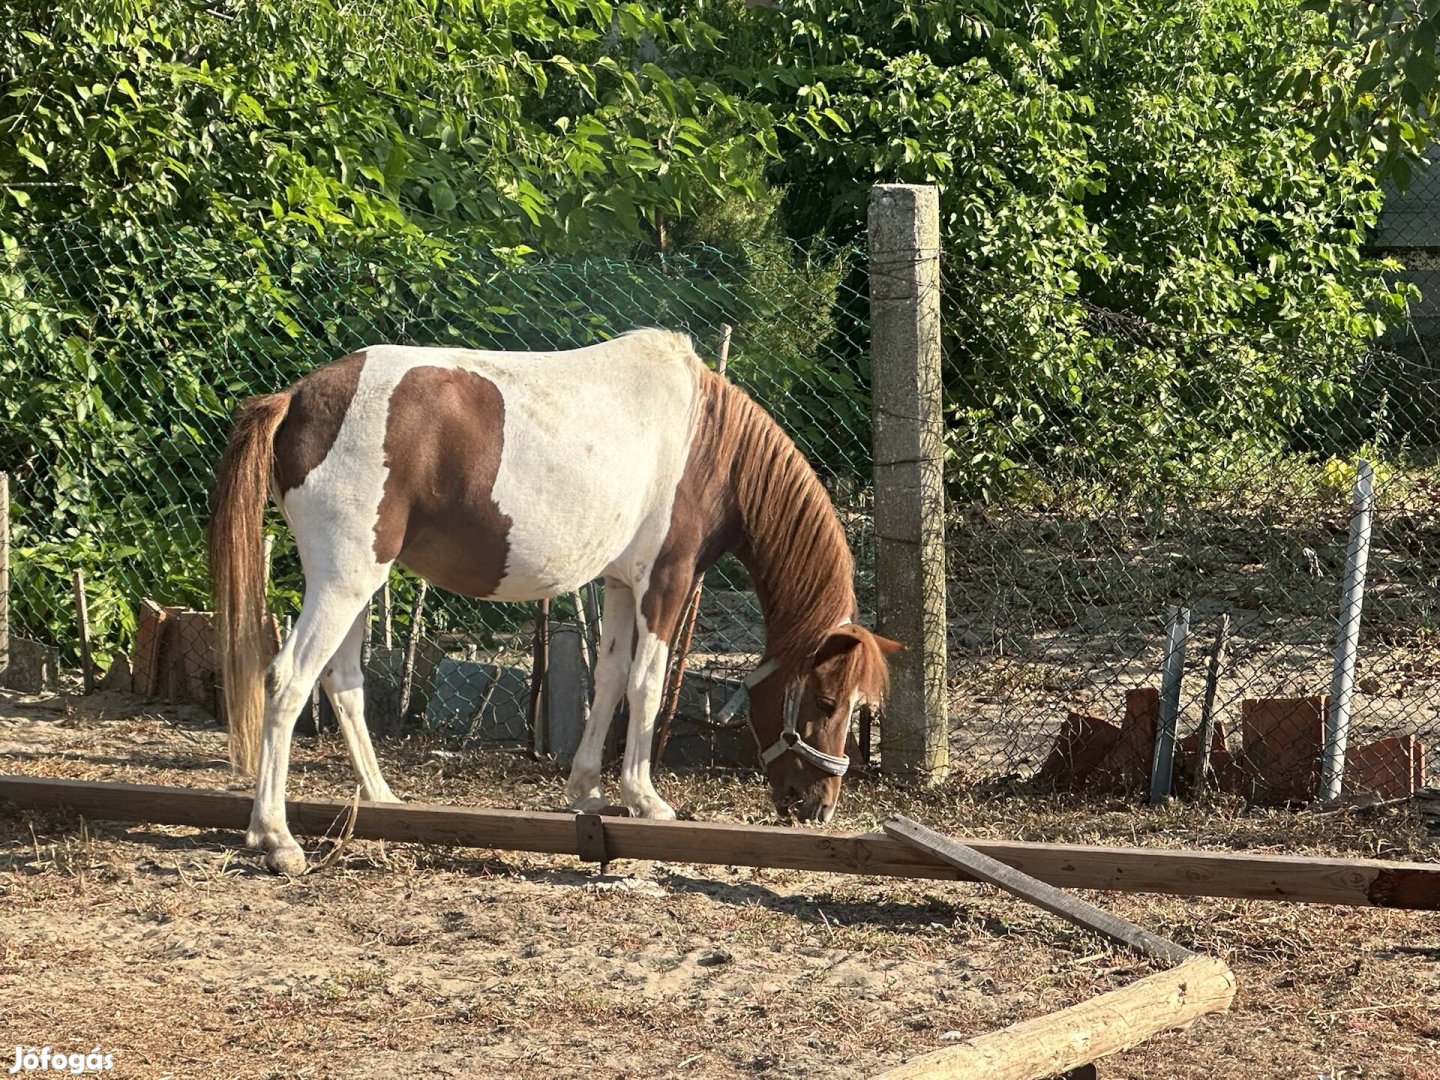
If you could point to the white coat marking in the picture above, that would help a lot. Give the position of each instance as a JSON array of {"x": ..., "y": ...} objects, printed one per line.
[{"x": 595, "y": 442}]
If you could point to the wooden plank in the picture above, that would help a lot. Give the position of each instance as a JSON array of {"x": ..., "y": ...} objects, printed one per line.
[
  {"x": 1082, "y": 745},
  {"x": 1092, "y": 1029},
  {"x": 1047, "y": 897},
  {"x": 188, "y": 672},
  {"x": 1293, "y": 878},
  {"x": 1130, "y": 759},
  {"x": 1383, "y": 769}
]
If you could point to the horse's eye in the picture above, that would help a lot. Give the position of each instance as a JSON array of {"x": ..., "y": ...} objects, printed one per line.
[{"x": 827, "y": 707}]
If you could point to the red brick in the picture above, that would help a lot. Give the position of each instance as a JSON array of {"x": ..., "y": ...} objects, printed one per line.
[
  {"x": 1283, "y": 740},
  {"x": 1134, "y": 751},
  {"x": 1081, "y": 746}
]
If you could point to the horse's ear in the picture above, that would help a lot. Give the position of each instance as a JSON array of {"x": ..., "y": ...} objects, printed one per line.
[
  {"x": 837, "y": 643},
  {"x": 887, "y": 646}
]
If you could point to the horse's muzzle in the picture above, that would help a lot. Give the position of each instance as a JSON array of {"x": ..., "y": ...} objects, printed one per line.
[{"x": 806, "y": 810}]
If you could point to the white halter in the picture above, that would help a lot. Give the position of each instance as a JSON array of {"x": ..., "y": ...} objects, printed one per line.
[{"x": 790, "y": 738}]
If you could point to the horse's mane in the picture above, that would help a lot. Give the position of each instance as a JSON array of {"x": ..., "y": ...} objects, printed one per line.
[{"x": 792, "y": 543}]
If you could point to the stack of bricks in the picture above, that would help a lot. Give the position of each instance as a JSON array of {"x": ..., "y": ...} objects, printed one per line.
[{"x": 1282, "y": 744}]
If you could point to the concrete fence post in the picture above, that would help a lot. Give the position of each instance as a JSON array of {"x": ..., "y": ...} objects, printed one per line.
[{"x": 908, "y": 432}]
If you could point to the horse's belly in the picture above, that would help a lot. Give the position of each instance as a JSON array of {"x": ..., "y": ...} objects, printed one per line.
[
  {"x": 587, "y": 483},
  {"x": 462, "y": 552},
  {"x": 570, "y": 536}
]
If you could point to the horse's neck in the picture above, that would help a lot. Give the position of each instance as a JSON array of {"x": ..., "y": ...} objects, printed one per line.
[
  {"x": 796, "y": 608},
  {"x": 771, "y": 509}
]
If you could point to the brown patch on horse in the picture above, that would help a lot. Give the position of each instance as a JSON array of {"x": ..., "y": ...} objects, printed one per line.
[
  {"x": 318, "y": 404},
  {"x": 438, "y": 519},
  {"x": 704, "y": 518},
  {"x": 748, "y": 489}
]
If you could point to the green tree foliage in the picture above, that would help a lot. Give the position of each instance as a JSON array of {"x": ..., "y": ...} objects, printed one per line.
[
  {"x": 537, "y": 122},
  {"x": 1372, "y": 82},
  {"x": 1152, "y": 157},
  {"x": 198, "y": 200}
]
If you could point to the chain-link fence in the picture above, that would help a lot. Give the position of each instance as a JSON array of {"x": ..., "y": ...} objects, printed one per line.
[
  {"x": 1102, "y": 471},
  {"x": 1110, "y": 471},
  {"x": 125, "y": 356}
]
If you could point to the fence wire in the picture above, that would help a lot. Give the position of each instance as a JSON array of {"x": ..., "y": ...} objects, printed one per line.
[
  {"x": 126, "y": 355},
  {"x": 1101, "y": 470},
  {"x": 1107, "y": 470}
]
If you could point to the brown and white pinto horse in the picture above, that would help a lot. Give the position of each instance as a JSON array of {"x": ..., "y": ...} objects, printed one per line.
[{"x": 518, "y": 476}]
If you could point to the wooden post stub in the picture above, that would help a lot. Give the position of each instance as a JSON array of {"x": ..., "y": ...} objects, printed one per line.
[
  {"x": 82, "y": 625},
  {"x": 412, "y": 644},
  {"x": 1206, "y": 730},
  {"x": 590, "y": 839},
  {"x": 540, "y": 660}
]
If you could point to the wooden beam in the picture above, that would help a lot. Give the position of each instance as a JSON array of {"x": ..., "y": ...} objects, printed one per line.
[
  {"x": 1027, "y": 888},
  {"x": 1075, "y": 1036},
  {"x": 1295, "y": 878}
]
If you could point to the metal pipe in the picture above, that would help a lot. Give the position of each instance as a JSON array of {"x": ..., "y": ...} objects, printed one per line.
[
  {"x": 1162, "y": 765},
  {"x": 1347, "y": 635}
]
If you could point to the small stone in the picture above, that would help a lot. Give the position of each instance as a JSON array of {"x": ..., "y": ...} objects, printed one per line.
[{"x": 713, "y": 958}]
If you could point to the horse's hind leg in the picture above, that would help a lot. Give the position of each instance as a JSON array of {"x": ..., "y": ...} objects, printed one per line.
[
  {"x": 344, "y": 682},
  {"x": 612, "y": 670},
  {"x": 327, "y": 616}
]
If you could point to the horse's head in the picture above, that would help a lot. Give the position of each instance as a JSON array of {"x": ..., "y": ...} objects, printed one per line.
[{"x": 802, "y": 728}]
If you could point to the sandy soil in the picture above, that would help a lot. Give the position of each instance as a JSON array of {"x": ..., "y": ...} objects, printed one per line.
[{"x": 180, "y": 957}]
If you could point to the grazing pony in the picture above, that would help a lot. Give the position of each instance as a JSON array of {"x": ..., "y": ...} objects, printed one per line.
[{"x": 520, "y": 476}]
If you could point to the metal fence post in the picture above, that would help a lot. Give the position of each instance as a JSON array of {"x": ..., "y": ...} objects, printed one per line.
[
  {"x": 908, "y": 433},
  {"x": 1162, "y": 764},
  {"x": 1347, "y": 637}
]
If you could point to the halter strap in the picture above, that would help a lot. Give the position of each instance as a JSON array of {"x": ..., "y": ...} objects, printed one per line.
[{"x": 790, "y": 737}]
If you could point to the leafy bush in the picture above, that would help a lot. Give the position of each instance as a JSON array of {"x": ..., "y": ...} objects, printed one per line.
[{"x": 1152, "y": 158}]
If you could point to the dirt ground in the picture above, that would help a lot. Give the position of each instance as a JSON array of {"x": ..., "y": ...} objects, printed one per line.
[{"x": 175, "y": 953}]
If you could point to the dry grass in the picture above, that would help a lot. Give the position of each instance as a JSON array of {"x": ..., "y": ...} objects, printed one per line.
[{"x": 177, "y": 954}]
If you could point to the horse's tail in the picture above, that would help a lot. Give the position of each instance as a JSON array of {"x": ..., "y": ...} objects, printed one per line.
[{"x": 237, "y": 570}]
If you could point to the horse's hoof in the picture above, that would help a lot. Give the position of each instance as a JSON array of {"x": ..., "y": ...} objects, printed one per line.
[
  {"x": 289, "y": 861},
  {"x": 589, "y": 804},
  {"x": 648, "y": 806}
]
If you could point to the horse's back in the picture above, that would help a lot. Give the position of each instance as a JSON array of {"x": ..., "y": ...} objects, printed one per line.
[{"x": 505, "y": 475}]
